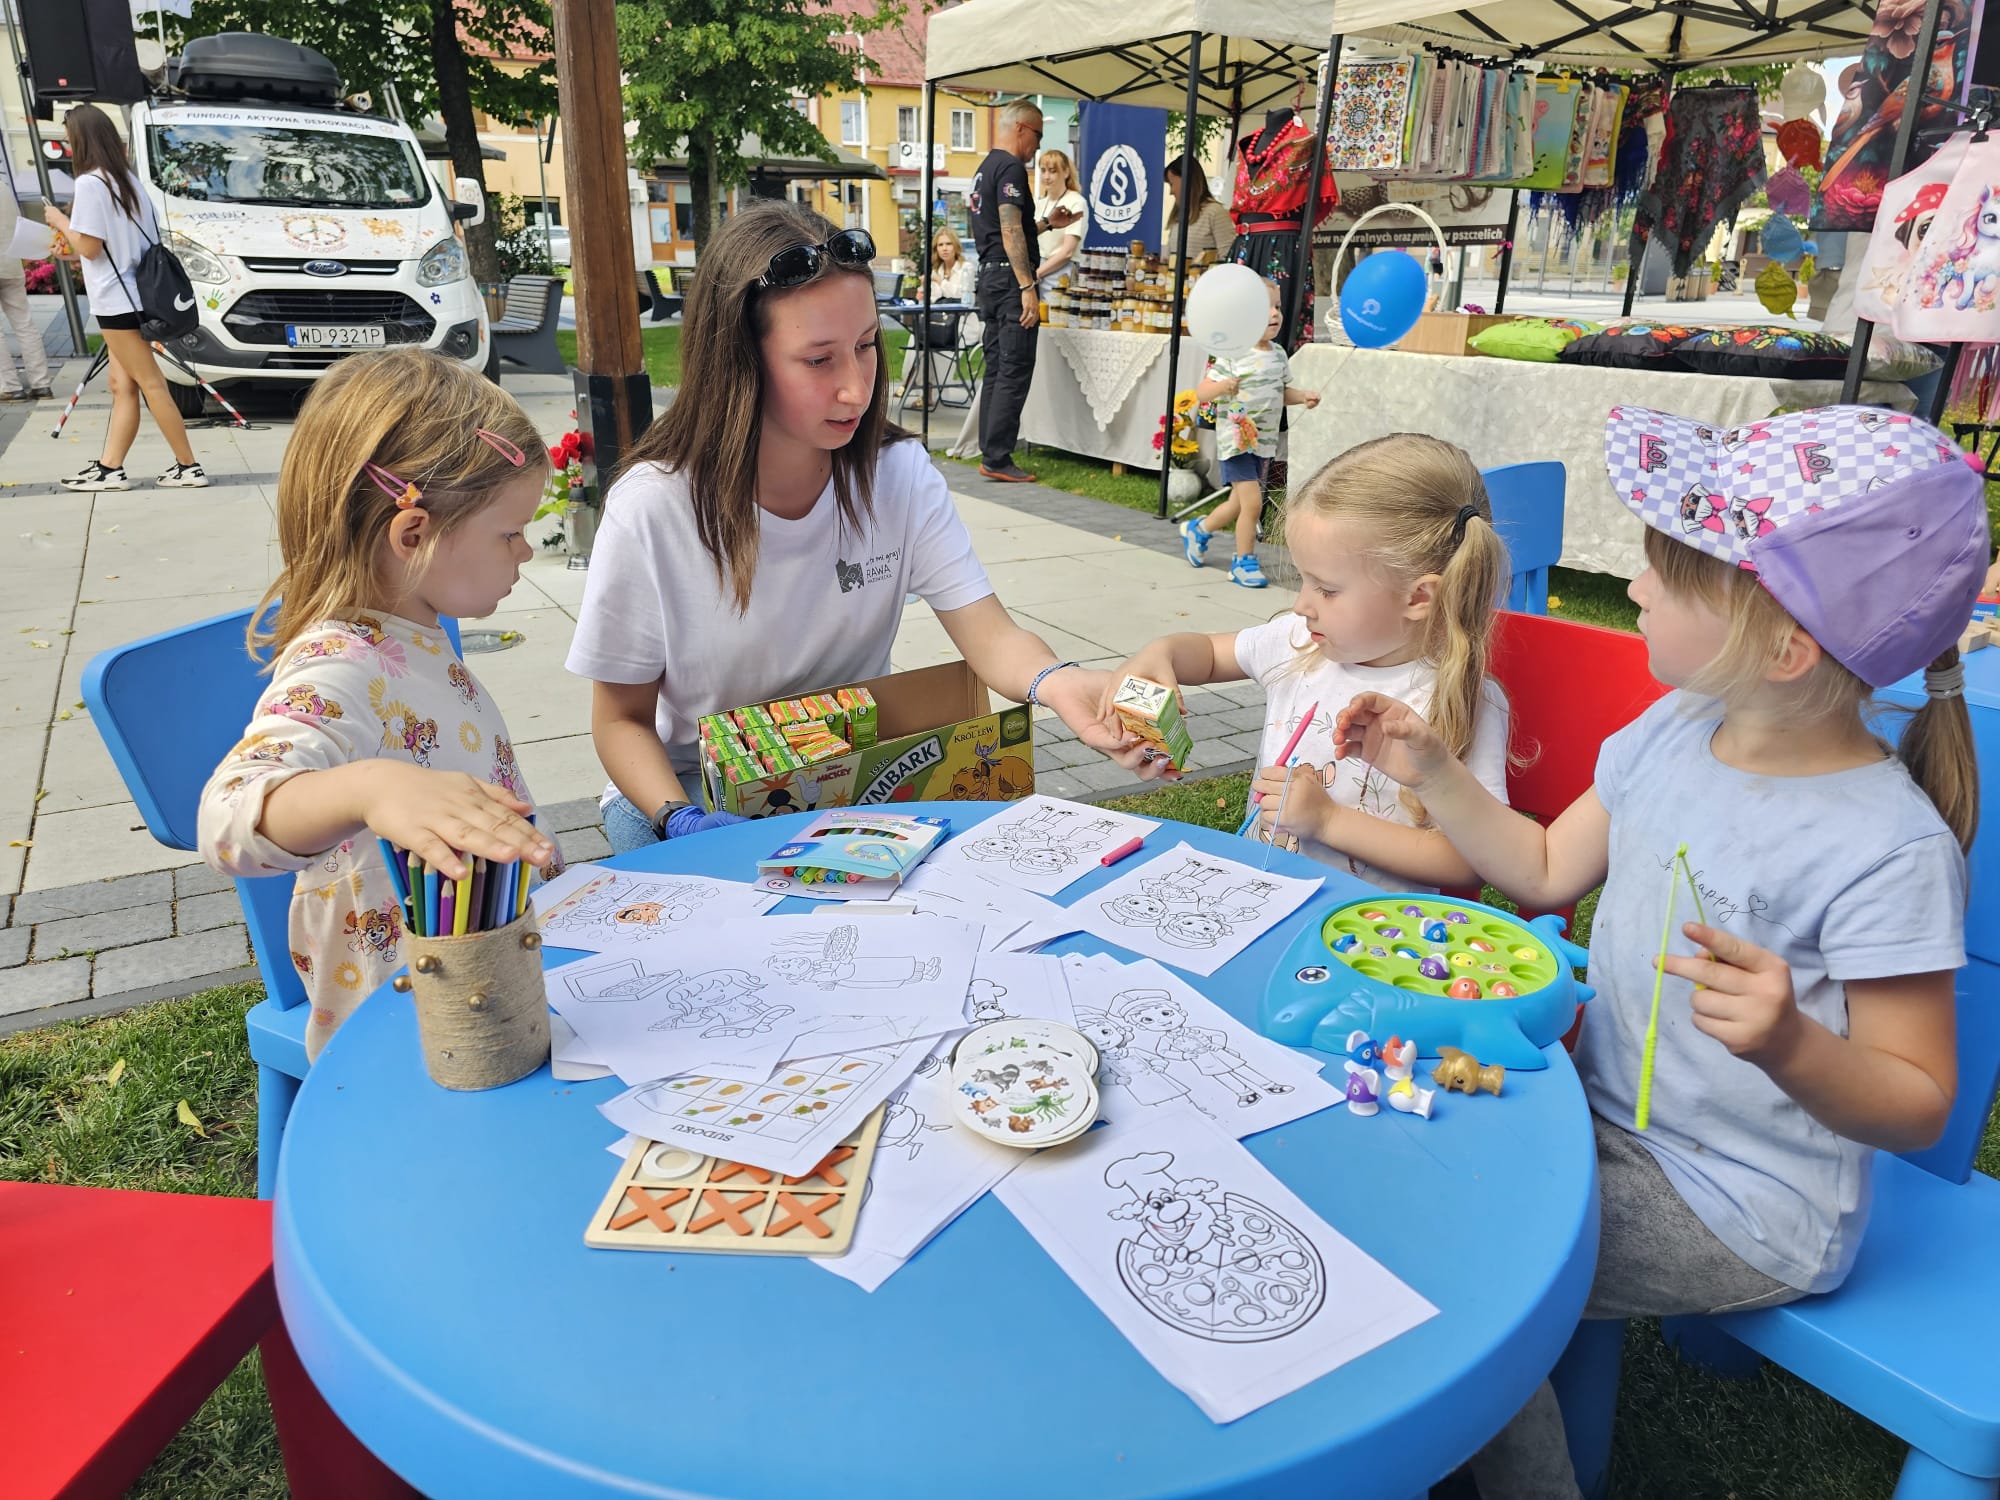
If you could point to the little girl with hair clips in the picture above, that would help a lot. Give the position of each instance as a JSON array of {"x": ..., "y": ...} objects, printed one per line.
[
  {"x": 404, "y": 495},
  {"x": 1399, "y": 571},
  {"x": 1794, "y": 565}
]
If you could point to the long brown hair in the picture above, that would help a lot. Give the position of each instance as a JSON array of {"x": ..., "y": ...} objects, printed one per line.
[
  {"x": 1193, "y": 196},
  {"x": 1936, "y": 748},
  {"x": 94, "y": 147},
  {"x": 414, "y": 414},
  {"x": 946, "y": 235},
  {"x": 712, "y": 434},
  {"x": 1404, "y": 493}
]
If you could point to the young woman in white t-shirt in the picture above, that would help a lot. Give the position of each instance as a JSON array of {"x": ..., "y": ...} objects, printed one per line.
[
  {"x": 765, "y": 531},
  {"x": 1400, "y": 568},
  {"x": 1056, "y": 187},
  {"x": 109, "y": 225}
]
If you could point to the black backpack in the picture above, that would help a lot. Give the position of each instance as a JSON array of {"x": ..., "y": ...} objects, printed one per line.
[{"x": 160, "y": 285}]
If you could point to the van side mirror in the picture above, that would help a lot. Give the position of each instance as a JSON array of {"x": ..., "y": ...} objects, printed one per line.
[{"x": 470, "y": 204}]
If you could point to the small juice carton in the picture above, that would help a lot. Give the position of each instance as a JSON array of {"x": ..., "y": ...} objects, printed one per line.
[
  {"x": 1151, "y": 712},
  {"x": 862, "y": 726}
]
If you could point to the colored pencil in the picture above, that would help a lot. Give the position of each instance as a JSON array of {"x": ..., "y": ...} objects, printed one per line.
[
  {"x": 415, "y": 902},
  {"x": 480, "y": 876},
  {"x": 447, "y": 914},
  {"x": 432, "y": 901},
  {"x": 461, "y": 902},
  {"x": 524, "y": 876},
  {"x": 398, "y": 877}
]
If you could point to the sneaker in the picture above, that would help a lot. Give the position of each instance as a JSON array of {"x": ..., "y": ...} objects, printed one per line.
[
  {"x": 1196, "y": 542},
  {"x": 39, "y": 393},
  {"x": 183, "y": 477},
  {"x": 1008, "y": 473},
  {"x": 16, "y": 395},
  {"x": 94, "y": 476},
  {"x": 1244, "y": 571}
]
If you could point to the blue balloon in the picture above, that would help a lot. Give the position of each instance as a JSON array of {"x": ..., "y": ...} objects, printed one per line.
[{"x": 1382, "y": 298}]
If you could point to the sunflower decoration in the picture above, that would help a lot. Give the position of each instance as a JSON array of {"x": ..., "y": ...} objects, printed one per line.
[{"x": 1184, "y": 446}]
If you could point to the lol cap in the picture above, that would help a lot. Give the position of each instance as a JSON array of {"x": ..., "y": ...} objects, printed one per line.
[{"x": 1868, "y": 526}]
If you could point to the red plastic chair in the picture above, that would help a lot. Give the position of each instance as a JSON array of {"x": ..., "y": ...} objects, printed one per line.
[{"x": 120, "y": 1313}]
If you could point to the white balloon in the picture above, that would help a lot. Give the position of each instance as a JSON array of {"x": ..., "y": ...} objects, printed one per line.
[{"x": 1228, "y": 309}]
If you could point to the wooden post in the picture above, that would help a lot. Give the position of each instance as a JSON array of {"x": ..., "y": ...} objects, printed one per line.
[{"x": 614, "y": 396}]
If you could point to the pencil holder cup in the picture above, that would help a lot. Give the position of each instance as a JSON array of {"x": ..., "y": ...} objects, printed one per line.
[{"x": 482, "y": 1010}]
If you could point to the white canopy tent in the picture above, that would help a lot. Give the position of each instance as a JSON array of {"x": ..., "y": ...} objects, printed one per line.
[{"x": 1236, "y": 57}]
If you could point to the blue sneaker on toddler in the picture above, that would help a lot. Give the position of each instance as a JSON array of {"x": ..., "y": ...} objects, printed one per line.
[
  {"x": 1246, "y": 572},
  {"x": 1195, "y": 540}
]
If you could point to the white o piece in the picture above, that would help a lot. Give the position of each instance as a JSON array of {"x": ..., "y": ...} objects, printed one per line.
[
  {"x": 672, "y": 1161},
  {"x": 1228, "y": 310}
]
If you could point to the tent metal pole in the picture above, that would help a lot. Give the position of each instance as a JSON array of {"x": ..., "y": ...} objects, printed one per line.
[
  {"x": 1189, "y": 166},
  {"x": 1506, "y": 251},
  {"x": 1302, "y": 257},
  {"x": 920, "y": 341},
  {"x": 1899, "y": 163}
]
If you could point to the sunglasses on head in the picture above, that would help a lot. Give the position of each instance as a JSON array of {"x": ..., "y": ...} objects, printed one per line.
[{"x": 798, "y": 264}]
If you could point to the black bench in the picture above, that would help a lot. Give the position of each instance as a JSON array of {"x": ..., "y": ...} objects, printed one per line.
[{"x": 525, "y": 334}]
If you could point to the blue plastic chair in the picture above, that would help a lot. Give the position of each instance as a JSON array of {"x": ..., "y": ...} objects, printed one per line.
[
  {"x": 169, "y": 708},
  {"x": 1528, "y": 514}
]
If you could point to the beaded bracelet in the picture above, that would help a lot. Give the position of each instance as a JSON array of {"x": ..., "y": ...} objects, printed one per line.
[{"x": 1035, "y": 686}]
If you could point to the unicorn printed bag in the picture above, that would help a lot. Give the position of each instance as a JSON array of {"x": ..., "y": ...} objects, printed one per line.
[
  {"x": 1908, "y": 206},
  {"x": 1951, "y": 292}
]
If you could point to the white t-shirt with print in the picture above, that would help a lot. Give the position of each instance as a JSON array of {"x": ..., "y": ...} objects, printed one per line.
[
  {"x": 1050, "y": 240},
  {"x": 1261, "y": 376},
  {"x": 1271, "y": 653},
  {"x": 96, "y": 213},
  {"x": 823, "y": 610}
]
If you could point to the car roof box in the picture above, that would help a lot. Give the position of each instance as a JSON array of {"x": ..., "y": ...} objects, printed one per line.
[{"x": 248, "y": 65}]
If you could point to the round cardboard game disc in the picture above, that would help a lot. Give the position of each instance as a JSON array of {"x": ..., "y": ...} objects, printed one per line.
[{"x": 1024, "y": 1097}]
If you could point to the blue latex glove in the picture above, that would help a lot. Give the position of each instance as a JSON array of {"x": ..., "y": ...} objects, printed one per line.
[{"x": 693, "y": 820}]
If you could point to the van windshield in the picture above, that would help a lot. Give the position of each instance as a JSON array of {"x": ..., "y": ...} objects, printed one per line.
[{"x": 286, "y": 165}]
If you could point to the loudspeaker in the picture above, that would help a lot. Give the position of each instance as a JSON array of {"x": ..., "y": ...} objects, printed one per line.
[{"x": 81, "y": 49}]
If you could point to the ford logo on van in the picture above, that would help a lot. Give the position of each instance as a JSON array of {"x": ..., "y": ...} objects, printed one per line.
[{"x": 325, "y": 268}]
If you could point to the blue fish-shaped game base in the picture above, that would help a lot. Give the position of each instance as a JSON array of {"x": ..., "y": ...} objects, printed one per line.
[{"x": 1316, "y": 1000}]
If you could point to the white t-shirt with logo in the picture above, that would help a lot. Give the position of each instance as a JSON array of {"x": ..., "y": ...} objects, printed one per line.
[
  {"x": 97, "y": 214},
  {"x": 1271, "y": 652},
  {"x": 823, "y": 610}
]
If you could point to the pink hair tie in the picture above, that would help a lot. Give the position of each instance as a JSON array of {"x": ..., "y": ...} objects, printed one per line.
[
  {"x": 401, "y": 491},
  {"x": 501, "y": 446}
]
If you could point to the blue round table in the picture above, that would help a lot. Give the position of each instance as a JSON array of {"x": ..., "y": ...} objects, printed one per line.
[{"x": 432, "y": 1270}]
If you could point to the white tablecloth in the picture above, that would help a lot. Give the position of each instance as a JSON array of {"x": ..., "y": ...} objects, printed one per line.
[
  {"x": 1097, "y": 393},
  {"x": 1505, "y": 411}
]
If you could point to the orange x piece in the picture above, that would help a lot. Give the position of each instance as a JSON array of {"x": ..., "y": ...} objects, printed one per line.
[
  {"x": 824, "y": 1171},
  {"x": 721, "y": 1210},
  {"x": 652, "y": 1206},
  {"x": 722, "y": 1171},
  {"x": 805, "y": 1216}
]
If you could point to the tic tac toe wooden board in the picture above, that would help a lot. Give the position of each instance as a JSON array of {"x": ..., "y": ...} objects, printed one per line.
[{"x": 666, "y": 1197}]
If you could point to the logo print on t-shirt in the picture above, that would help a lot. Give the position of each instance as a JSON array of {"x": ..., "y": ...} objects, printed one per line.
[{"x": 849, "y": 575}]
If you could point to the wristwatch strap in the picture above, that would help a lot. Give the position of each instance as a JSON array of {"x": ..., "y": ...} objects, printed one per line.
[{"x": 667, "y": 810}]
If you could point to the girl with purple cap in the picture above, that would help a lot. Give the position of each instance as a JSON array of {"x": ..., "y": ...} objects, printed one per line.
[{"x": 1794, "y": 566}]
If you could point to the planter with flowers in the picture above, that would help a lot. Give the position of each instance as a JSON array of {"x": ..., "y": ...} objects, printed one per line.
[
  {"x": 566, "y": 500},
  {"x": 1182, "y": 448}
]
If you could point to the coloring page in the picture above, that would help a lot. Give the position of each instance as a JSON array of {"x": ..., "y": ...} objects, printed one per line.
[
  {"x": 547, "y": 893},
  {"x": 1192, "y": 910},
  {"x": 1040, "y": 844},
  {"x": 685, "y": 1006},
  {"x": 569, "y": 1060},
  {"x": 783, "y": 1122},
  {"x": 620, "y": 912},
  {"x": 855, "y": 1033},
  {"x": 927, "y": 1171},
  {"x": 904, "y": 967},
  {"x": 1163, "y": 1045},
  {"x": 1008, "y": 986},
  {"x": 1233, "y": 1289},
  {"x": 960, "y": 891}
]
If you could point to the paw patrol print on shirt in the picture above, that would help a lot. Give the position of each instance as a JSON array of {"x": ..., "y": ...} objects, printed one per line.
[
  {"x": 402, "y": 728},
  {"x": 468, "y": 690}
]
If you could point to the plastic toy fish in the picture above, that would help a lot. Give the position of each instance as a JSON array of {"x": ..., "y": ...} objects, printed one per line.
[
  {"x": 1406, "y": 1098},
  {"x": 1436, "y": 932},
  {"x": 1463, "y": 1072},
  {"x": 1364, "y": 1089},
  {"x": 1399, "y": 1058},
  {"x": 1363, "y": 1048},
  {"x": 1433, "y": 968},
  {"x": 1464, "y": 989}
]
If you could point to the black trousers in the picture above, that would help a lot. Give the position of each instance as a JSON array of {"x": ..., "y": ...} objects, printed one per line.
[{"x": 1010, "y": 363}]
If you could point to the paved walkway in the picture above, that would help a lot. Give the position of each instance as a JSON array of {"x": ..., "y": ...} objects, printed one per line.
[{"x": 96, "y": 916}]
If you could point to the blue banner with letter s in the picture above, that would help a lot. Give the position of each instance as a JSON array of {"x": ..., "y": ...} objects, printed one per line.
[{"x": 1122, "y": 149}]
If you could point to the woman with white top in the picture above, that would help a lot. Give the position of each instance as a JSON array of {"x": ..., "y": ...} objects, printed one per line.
[
  {"x": 1056, "y": 187},
  {"x": 951, "y": 277},
  {"x": 1210, "y": 229},
  {"x": 109, "y": 226}
]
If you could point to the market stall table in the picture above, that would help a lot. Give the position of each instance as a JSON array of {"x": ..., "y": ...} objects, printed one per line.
[
  {"x": 1505, "y": 411},
  {"x": 432, "y": 1271}
]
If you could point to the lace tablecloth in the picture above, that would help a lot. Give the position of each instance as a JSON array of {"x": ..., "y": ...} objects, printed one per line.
[
  {"x": 1097, "y": 393},
  {"x": 1505, "y": 411}
]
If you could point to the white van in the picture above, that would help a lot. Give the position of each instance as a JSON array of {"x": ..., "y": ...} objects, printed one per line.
[{"x": 310, "y": 230}]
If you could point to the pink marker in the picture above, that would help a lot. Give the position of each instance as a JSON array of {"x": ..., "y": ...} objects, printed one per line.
[
  {"x": 1131, "y": 847},
  {"x": 1285, "y": 755}
]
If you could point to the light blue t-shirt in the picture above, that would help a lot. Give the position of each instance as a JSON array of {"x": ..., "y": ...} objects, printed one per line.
[{"x": 1846, "y": 876}]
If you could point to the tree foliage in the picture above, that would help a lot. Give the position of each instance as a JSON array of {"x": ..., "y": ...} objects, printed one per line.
[{"x": 701, "y": 74}]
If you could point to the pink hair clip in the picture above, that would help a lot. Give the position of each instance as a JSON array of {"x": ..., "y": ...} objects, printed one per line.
[
  {"x": 401, "y": 491},
  {"x": 501, "y": 446}
]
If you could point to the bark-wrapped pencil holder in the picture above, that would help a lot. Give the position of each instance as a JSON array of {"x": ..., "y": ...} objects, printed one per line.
[{"x": 482, "y": 1009}]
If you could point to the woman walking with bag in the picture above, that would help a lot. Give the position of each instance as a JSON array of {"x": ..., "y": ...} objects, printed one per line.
[{"x": 110, "y": 226}]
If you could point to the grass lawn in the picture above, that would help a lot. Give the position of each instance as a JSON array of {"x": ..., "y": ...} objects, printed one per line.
[{"x": 1681, "y": 1433}]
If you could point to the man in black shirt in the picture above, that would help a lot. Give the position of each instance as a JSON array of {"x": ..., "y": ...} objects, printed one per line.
[{"x": 1002, "y": 216}]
